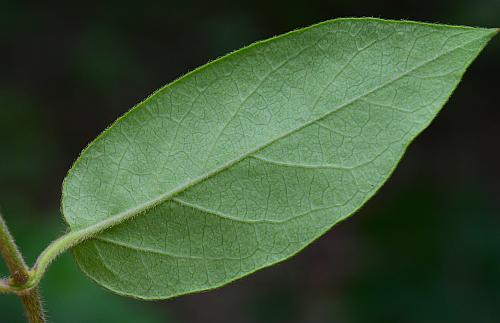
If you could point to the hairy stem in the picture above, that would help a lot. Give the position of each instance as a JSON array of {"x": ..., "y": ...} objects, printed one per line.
[
  {"x": 68, "y": 241},
  {"x": 13, "y": 258},
  {"x": 33, "y": 306},
  {"x": 58, "y": 246},
  {"x": 20, "y": 275}
]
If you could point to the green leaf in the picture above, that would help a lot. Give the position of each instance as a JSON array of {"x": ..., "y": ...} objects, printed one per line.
[{"x": 245, "y": 161}]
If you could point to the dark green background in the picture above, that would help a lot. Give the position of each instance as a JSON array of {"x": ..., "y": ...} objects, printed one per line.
[{"x": 425, "y": 249}]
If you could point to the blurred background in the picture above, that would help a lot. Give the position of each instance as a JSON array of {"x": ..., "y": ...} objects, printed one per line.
[{"x": 425, "y": 249}]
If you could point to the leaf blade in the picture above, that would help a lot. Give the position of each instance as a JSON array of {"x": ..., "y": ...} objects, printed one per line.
[{"x": 310, "y": 120}]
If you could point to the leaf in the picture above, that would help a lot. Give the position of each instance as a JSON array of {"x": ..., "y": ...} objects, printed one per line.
[{"x": 243, "y": 162}]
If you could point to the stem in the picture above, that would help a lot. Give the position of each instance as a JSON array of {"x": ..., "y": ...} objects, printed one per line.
[
  {"x": 13, "y": 258},
  {"x": 20, "y": 275},
  {"x": 72, "y": 238},
  {"x": 33, "y": 306},
  {"x": 53, "y": 250},
  {"x": 75, "y": 237}
]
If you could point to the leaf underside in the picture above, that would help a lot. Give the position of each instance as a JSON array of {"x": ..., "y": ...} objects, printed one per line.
[{"x": 245, "y": 161}]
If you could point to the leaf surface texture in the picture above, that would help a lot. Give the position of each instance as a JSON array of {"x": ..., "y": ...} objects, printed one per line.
[{"x": 245, "y": 161}]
